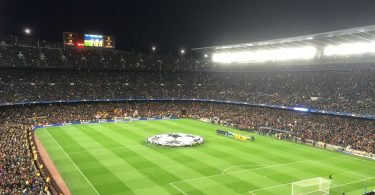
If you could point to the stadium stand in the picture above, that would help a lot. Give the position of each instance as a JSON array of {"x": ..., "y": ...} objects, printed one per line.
[
  {"x": 346, "y": 132},
  {"x": 39, "y": 71},
  {"x": 300, "y": 127},
  {"x": 19, "y": 174},
  {"x": 346, "y": 90}
]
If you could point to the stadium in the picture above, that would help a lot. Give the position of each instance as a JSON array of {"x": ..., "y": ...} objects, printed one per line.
[{"x": 285, "y": 116}]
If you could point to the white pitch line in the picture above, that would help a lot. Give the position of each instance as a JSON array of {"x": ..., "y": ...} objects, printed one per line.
[
  {"x": 178, "y": 188},
  {"x": 352, "y": 182},
  {"x": 198, "y": 178},
  {"x": 275, "y": 186},
  {"x": 240, "y": 166},
  {"x": 79, "y": 170},
  {"x": 351, "y": 156},
  {"x": 320, "y": 164}
]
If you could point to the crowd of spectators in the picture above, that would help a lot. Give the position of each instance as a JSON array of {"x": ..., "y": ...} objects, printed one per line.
[
  {"x": 20, "y": 175},
  {"x": 350, "y": 91},
  {"x": 48, "y": 72},
  {"x": 93, "y": 74},
  {"x": 357, "y": 133},
  {"x": 19, "y": 51}
]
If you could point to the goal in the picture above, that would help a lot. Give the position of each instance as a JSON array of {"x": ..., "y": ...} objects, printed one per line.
[{"x": 315, "y": 186}]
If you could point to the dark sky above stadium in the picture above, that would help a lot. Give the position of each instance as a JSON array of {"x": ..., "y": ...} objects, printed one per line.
[{"x": 172, "y": 24}]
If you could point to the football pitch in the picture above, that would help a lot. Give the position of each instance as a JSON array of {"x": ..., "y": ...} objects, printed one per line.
[{"x": 113, "y": 158}]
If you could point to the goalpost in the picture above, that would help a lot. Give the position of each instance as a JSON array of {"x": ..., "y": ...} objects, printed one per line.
[{"x": 315, "y": 186}]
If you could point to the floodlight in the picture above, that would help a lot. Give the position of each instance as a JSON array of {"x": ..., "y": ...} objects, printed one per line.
[
  {"x": 261, "y": 56},
  {"x": 350, "y": 49},
  {"x": 27, "y": 31},
  {"x": 301, "y": 109}
]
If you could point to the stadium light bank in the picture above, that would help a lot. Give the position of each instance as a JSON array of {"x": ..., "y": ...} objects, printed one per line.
[
  {"x": 261, "y": 56},
  {"x": 350, "y": 49},
  {"x": 317, "y": 48}
]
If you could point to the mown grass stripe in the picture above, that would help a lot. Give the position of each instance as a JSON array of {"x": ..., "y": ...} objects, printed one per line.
[
  {"x": 98, "y": 174},
  {"x": 72, "y": 177},
  {"x": 138, "y": 161},
  {"x": 121, "y": 145}
]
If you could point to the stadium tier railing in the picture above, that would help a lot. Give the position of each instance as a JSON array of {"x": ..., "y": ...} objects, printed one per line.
[{"x": 290, "y": 108}]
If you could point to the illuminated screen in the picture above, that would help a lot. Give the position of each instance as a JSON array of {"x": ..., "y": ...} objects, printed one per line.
[
  {"x": 71, "y": 39},
  {"x": 93, "y": 40}
]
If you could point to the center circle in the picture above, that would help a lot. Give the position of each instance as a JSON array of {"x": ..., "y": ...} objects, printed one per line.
[{"x": 175, "y": 140}]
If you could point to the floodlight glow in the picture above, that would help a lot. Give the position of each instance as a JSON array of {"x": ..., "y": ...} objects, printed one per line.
[
  {"x": 350, "y": 49},
  {"x": 300, "y": 109},
  {"x": 261, "y": 56},
  {"x": 27, "y": 31}
]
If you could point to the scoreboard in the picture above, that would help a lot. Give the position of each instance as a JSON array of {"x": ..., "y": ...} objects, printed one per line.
[{"x": 71, "y": 39}]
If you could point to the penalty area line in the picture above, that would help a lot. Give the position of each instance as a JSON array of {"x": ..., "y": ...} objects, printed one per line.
[
  {"x": 79, "y": 170},
  {"x": 240, "y": 171},
  {"x": 275, "y": 186},
  {"x": 223, "y": 172},
  {"x": 341, "y": 170},
  {"x": 178, "y": 188}
]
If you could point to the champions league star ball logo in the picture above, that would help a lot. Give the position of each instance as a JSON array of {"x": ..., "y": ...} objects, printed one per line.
[{"x": 175, "y": 140}]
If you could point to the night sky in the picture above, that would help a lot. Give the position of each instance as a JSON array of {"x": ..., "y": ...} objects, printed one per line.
[{"x": 172, "y": 24}]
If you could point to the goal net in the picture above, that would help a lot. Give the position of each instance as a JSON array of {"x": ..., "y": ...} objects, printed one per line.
[{"x": 315, "y": 186}]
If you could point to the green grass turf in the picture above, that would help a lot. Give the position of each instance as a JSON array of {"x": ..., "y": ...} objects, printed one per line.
[{"x": 112, "y": 158}]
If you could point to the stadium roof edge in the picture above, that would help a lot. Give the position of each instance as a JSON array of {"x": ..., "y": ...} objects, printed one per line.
[{"x": 325, "y": 35}]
